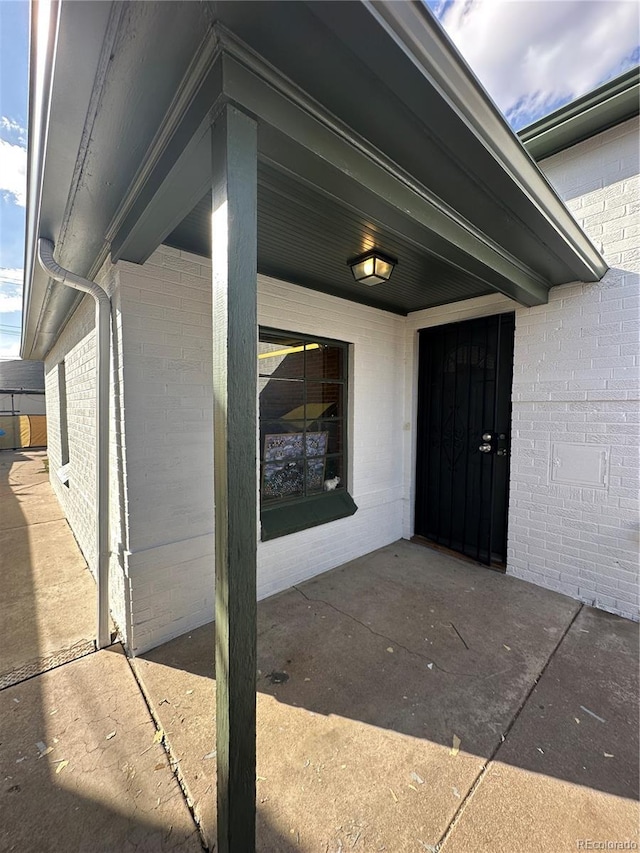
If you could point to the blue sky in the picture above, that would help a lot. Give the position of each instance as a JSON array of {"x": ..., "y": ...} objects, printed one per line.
[
  {"x": 532, "y": 56},
  {"x": 14, "y": 43}
]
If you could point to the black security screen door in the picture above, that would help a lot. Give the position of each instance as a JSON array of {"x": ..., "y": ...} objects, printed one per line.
[{"x": 464, "y": 416}]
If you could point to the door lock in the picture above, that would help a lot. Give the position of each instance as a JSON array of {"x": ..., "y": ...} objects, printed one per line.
[{"x": 487, "y": 436}]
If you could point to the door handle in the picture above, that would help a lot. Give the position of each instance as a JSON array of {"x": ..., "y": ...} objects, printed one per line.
[{"x": 485, "y": 448}]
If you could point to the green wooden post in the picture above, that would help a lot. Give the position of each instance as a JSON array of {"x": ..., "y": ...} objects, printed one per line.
[{"x": 234, "y": 259}]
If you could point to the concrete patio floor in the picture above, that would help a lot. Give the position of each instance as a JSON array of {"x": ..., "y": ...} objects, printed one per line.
[
  {"x": 82, "y": 767},
  {"x": 369, "y": 675},
  {"x": 47, "y": 594}
]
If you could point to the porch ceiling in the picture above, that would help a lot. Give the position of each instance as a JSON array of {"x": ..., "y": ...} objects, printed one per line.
[
  {"x": 371, "y": 130},
  {"x": 306, "y": 237}
]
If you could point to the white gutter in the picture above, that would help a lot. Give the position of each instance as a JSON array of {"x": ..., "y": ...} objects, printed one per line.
[
  {"x": 43, "y": 39},
  {"x": 103, "y": 336}
]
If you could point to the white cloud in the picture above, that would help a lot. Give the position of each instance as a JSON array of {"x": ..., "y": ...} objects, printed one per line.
[
  {"x": 13, "y": 172},
  {"x": 11, "y": 275},
  {"x": 10, "y": 290},
  {"x": 9, "y": 303},
  {"x": 10, "y": 349},
  {"x": 531, "y": 54},
  {"x": 12, "y": 131}
]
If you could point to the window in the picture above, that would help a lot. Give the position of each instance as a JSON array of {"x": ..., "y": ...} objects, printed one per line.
[
  {"x": 302, "y": 385},
  {"x": 63, "y": 471}
]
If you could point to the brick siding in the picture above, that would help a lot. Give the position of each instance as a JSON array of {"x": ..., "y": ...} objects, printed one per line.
[
  {"x": 168, "y": 397},
  {"x": 76, "y": 346},
  {"x": 575, "y": 380}
]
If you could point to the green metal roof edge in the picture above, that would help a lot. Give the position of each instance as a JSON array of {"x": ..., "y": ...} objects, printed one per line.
[{"x": 604, "y": 107}]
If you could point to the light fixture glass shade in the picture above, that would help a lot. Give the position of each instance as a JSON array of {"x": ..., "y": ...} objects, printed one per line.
[{"x": 372, "y": 268}]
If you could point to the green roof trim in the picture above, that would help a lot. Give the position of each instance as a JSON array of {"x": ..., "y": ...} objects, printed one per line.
[
  {"x": 298, "y": 515},
  {"x": 603, "y": 108}
]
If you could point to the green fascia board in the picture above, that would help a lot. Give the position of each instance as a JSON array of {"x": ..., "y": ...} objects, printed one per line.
[
  {"x": 593, "y": 113},
  {"x": 292, "y": 517}
]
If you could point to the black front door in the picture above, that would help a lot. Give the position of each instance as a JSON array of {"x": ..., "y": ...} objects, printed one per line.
[{"x": 464, "y": 419}]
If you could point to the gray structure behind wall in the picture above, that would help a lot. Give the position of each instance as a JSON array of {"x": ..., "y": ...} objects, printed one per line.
[{"x": 23, "y": 420}]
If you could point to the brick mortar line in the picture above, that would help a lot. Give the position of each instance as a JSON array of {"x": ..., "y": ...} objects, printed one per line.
[
  {"x": 480, "y": 777},
  {"x": 174, "y": 762}
]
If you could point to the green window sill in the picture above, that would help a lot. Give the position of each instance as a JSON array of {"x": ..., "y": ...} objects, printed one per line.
[{"x": 283, "y": 519}]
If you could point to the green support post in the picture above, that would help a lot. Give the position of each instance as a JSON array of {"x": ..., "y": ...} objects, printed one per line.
[{"x": 234, "y": 261}]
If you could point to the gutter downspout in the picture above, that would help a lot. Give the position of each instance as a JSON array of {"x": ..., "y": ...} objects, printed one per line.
[{"x": 103, "y": 333}]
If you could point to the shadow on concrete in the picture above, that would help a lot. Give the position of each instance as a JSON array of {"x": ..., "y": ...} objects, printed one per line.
[
  {"x": 68, "y": 784},
  {"x": 111, "y": 794},
  {"x": 64, "y": 787},
  {"x": 15, "y": 567},
  {"x": 80, "y": 767},
  {"x": 427, "y": 646},
  {"x": 47, "y": 595}
]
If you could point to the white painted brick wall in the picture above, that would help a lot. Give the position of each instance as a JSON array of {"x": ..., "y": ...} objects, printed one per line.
[
  {"x": 576, "y": 379},
  {"x": 168, "y": 401},
  {"x": 76, "y": 345},
  {"x": 168, "y": 398},
  {"x": 376, "y": 432}
]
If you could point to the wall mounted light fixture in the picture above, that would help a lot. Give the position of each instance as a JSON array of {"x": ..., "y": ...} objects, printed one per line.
[{"x": 372, "y": 268}]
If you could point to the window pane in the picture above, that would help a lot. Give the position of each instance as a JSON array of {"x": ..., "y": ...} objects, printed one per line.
[
  {"x": 281, "y": 397},
  {"x": 278, "y": 444},
  {"x": 302, "y": 430},
  {"x": 283, "y": 357},
  {"x": 324, "y": 400},
  {"x": 333, "y": 429},
  {"x": 62, "y": 401},
  {"x": 324, "y": 361},
  {"x": 334, "y": 468},
  {"x": 315, "y": 475},
  {"x": 282, "y": 479}
]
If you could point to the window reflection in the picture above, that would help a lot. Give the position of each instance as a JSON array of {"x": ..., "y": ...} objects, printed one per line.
[{"x": 302, "y": 389}]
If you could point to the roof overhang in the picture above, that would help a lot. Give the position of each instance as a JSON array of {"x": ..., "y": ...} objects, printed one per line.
[
  {"x": 394, "y": 135},
  {"x": 597, "y": 111}
]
